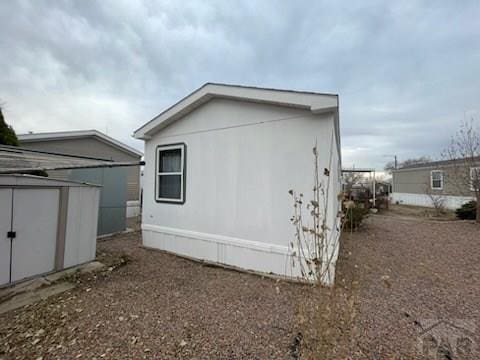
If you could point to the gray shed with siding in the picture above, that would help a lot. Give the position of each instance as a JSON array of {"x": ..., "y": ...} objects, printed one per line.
[{"x": 46, "y": 225}]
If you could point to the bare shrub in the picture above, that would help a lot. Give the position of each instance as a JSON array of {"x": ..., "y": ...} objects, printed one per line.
[
  {"x": 464, "y": 153},
  {"x": 315, "y": 244},
  {"x": 437, "y": 200}
]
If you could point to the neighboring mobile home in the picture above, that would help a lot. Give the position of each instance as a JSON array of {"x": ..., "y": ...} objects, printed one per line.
[
  {"x": 419, "y": 184},
  {"x": 219, "y": 165},
  {"x": 120, "y": 185}
]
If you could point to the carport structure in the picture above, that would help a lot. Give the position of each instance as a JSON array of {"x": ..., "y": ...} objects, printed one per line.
[{"x": 370, "y": 171}]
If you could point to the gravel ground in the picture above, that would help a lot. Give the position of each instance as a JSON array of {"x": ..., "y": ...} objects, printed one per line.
[
  {"x": 153, "y": 305},
  {"x": 396, "y": 277}
]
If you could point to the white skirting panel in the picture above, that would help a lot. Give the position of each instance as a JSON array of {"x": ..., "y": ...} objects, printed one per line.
[
  {"x": 451, "y": 202},
  {"x": 133, "y": 208},
  {"x": 244, "y": 254}
]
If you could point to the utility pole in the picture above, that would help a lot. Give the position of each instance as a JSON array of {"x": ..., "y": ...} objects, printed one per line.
[{"x": 395, "y": 157}]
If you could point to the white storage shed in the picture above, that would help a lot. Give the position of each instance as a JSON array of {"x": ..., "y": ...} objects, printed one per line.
[{"x": 46, "y": 225}]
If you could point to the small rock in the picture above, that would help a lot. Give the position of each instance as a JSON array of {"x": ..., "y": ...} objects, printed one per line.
[
  {"x": 183, "y": 343},
  {"x": 36, "y": 341},
  {"x": 386, "y": 281},
  {"x": 121, "y": 318}
]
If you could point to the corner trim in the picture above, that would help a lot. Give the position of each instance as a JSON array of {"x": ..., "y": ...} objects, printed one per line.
[{"x": 61, "y": 229}]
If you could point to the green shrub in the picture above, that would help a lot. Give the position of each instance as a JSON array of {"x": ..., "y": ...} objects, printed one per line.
[
  {"x": 467, "y": 211},
  {"x": 354, "y": 217}
]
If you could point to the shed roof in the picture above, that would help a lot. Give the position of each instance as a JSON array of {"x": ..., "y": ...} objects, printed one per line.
[
  {"x": 31, "y": 180},
  {"x": 62, "y": 135},
  {"x": 315, "y": 102}
]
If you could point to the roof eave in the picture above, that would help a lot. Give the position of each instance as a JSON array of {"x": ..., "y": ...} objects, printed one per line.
[
  {"x": 65, "y": 135},
  {"x": 316, "y": 103}
]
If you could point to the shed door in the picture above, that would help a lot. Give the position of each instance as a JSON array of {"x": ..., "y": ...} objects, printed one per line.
[
  {"x": 5, "y": 227},
  {"x": 35, "y": 217}
]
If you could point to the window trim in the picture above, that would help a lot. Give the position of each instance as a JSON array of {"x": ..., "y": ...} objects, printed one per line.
[
  {"x": 183, "y": 161},
  {"x": 472, "y": 188},
  {"x": 441, "y": 180}
]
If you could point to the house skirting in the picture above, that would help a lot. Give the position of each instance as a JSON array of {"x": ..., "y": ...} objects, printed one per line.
[
  {"x": 133, "y": 208},
  {"x": 451, "y": 202},
  {"x": 240, "y": 253}
]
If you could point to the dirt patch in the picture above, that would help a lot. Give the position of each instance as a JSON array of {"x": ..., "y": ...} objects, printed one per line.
[
  {"x": 419, "y": 212},
  {"x": 148, "y": 304}
]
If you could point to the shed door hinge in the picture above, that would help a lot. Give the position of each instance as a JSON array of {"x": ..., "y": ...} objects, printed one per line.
[{"x": 11, "y": 234}]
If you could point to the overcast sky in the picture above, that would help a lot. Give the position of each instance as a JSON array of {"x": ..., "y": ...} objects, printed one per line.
[{"x": 406, "y": 73}]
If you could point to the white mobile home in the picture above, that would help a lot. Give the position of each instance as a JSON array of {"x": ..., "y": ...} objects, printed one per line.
[{"x": 219, "y": 165}]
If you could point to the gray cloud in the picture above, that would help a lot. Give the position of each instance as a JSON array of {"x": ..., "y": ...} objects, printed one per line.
[{"x": 406, "y": 73}]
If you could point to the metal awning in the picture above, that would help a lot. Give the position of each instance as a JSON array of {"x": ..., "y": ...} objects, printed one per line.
[
  {"x": 358, "y": 170},
  {"x": 15, "y": 159},
  {"x": 364, "y": 170}
]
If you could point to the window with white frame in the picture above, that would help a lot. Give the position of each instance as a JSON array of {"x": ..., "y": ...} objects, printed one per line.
[
  {"x": 475, "y": 178},
  {"x": 436, "y": 179},
  {"x": 170, "y": 173}
]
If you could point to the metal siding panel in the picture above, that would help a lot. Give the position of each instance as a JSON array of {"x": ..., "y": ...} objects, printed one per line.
[
  {"x": 113, "y": 196},
  {"x": 62, "y": 228},
  {"x": 113, "y": 201},
  {"x": 113, "y": 220},
  {"x": 5, "y": 226},
  {"x": 114, "y": 187},
  {"x": 80, "y": 239},
  {"x": 92, "y": 176},
  {"x": 35, "y": 218}
]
